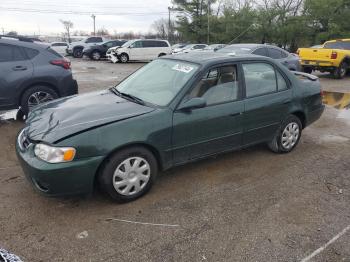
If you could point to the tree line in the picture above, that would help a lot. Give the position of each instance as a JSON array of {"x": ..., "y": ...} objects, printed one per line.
[{"x": 286, "y": 23}]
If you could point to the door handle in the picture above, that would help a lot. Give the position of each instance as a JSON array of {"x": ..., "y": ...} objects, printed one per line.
[
  {"x": 235, "y": 114},
  {"x": 19, "y": 68}
]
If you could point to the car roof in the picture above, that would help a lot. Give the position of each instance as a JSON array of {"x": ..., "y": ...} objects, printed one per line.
[
  {"x": 207, "y": 58},
  {"x": 23, "y": 43}
]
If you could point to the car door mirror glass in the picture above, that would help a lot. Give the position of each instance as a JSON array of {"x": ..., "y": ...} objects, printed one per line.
[{"x": 197, "y": 102}]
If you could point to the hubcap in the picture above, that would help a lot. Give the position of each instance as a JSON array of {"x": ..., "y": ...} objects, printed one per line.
[
  {"x": 343, "y": 71},
  {"x": 290, "y": 135},
  {"x": 38, "y": 98},
  {"x": 124, "y": 58},
  {"x": 131, "y": 176},
  {"x": 96, "y": 56}
]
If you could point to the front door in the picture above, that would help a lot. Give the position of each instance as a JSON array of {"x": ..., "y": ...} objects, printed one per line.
[
  {"x": 268, "y": 98},
  {"x": 215, "y": 128},
  {"x": 15, "y": 69},
  {"x": 137, "y": 52}
]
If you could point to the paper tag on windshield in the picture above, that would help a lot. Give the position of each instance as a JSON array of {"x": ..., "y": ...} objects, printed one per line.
[{"x": 183, "y": 68}]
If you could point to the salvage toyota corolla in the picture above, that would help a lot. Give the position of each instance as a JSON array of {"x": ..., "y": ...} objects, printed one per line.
[{"x": 174, "y": 110}]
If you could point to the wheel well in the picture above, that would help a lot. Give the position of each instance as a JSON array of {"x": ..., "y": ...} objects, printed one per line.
[
  {"x": 301, "y": 116},
  {"x": 161, "y": 54},
  {"x": 347, "y": 60},
  {"x": 38, "y": 84},
  {"x": 78, "y": 47},
  {"x": 124, "y": 54},
  {"x": 150, "y": 148}
]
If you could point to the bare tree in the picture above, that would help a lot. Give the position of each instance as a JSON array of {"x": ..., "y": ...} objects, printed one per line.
[{"x": 68, "y": 25}]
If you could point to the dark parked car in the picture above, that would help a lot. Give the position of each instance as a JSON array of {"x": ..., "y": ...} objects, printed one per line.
[
  {"x": 289, "y": 60},
  {"x": 31, "y": 74},
  {"x": 96, "y": 52},
  {"x": 174, "y": 110}
]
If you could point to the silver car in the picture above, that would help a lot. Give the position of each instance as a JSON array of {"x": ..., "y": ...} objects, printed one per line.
[{"x": 289, "y": 60}]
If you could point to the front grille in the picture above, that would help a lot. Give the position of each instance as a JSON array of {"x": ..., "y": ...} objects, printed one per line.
[{"x": 23, "y": 141}]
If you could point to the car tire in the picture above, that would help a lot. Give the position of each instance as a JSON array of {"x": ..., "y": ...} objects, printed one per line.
[
  {"x": 124, "y": 58},
  {"x": 287, "y": 136},
  {"x": 128, "y": 174},
  {"x": 36, "y": 95},
  {"x": 95, "y": 55},
  {"x": 307, "y": 70},
  {"x": 78, "y": 53},
  {"x": 340, "y": 72}
]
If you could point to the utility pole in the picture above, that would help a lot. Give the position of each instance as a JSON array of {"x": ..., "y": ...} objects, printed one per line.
[
  {"x": 169, "y": 24},
  {"x": 208, "y": 39},
  {"x": 94, "y": 18}
]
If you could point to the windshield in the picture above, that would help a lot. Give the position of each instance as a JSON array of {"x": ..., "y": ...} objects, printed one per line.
[
  {"x": 159, "y": 81},
  {"x": 128, "y": 43},
  {"x": 237, "y": 50}
]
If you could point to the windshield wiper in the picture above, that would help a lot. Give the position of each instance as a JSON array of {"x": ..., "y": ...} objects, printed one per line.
[{"x": 127, "y": 96}]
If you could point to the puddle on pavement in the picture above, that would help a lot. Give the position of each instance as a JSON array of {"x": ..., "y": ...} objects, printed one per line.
[{"x": 340, "y": 101}]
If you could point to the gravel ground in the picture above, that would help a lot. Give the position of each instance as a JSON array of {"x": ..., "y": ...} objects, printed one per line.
[{"x": 250, "y": 205}]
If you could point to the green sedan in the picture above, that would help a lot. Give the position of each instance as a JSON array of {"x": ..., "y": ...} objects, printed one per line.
[{"x": 174, "y": 110}]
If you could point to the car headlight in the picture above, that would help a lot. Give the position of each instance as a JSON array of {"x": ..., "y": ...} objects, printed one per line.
[{"x": 53, "y": 155}]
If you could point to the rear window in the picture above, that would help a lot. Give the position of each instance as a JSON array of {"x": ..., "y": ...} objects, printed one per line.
[
  {"x": 53, "y": 52},
  {"x": 338, "y": 45}
]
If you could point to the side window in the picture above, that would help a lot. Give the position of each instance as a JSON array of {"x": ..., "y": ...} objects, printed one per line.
[
  {"x": 31, "y": 53},
  {"x": 274, "y": 53},
  {"x": 260, "y": 79},
  {"x": 137, "y": 44},
  {"x": 261, "y": 51},
  {"x": 147, "y": 44},
  {"x": 98, "y": 39},
  {"x": 219, "y": 85},
  {"x": 163, "y": 44},
  {"x": 110, "y": 44},
  {"x": 5, "y": 53},
  {"x": 281, "y": 82},
  {"x": 10, "y": 53}
]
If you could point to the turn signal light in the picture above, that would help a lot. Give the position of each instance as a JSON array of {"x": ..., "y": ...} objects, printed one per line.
[{"x": 334, "y": 55}]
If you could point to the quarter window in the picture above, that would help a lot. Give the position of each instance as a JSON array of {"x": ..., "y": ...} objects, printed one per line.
[
  {"x": 260, "y": 79},
  {"x": 281, "y": 82},
  {"x": 219, "y": 85}
]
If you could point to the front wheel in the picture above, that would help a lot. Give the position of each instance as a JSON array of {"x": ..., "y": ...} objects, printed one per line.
[
  {"x": 78, "y": 53},
  {"x": 96, "y": 55},
  {"x": 287, "y": 136},
  {"x": 128, "y": 174},
  {"x": 124, "y": 58}
]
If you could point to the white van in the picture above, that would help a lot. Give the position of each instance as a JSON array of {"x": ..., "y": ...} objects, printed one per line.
[{"x": 140, "y": 50}]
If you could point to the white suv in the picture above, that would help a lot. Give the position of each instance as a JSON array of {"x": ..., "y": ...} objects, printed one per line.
[{"x": 140, "y": 50}]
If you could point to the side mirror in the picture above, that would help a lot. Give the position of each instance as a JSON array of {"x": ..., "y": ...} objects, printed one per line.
[{"x": 197, "y": 102}]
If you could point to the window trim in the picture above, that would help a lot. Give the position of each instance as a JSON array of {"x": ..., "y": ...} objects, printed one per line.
[
  {"x": 205, "y": 72},
  {"x": 286, "y": 79}
]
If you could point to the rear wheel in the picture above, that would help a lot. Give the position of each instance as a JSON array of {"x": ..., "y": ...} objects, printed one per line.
[
  {"x": 128, "y": 174},
  {"x": 287, "y": 136},
  {"x": 35, "y": 96},
  {"x": 340, "y": 72},
  {"x": 307, "y": 70}
]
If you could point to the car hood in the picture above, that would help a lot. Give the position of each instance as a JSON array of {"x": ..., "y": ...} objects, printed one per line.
[{"x": 64, "y": 117}]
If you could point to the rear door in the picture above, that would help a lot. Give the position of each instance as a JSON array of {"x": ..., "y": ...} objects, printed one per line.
[
  {"x": 268, "y": 98},
  {"x": 15, "y": 70}
]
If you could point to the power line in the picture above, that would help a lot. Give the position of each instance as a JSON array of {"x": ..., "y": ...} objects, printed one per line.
[{"x": 71, "y": 12}]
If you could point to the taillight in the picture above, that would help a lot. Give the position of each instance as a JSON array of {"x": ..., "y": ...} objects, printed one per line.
[
  {"x": 334, "y": 55},
  {"x": 322, "y": 93},
  {"x": 65, "y": 63},
  {"x": 298, "y": 52}
]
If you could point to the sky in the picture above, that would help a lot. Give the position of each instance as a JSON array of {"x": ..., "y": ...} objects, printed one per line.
[{"x": 43, "y": 16}]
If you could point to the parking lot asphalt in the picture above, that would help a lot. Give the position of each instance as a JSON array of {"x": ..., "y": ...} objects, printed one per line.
[{"x": 250, "y": 205}]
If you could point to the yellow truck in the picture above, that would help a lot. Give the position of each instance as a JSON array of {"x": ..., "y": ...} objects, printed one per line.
[{"x": 333, "y": 56}]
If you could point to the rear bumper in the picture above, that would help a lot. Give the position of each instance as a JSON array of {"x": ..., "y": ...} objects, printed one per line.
[
  {"x": 314, "y": 115},
  {"x": 318, "y": 64},
  {"x": 68, "y": 87}
]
